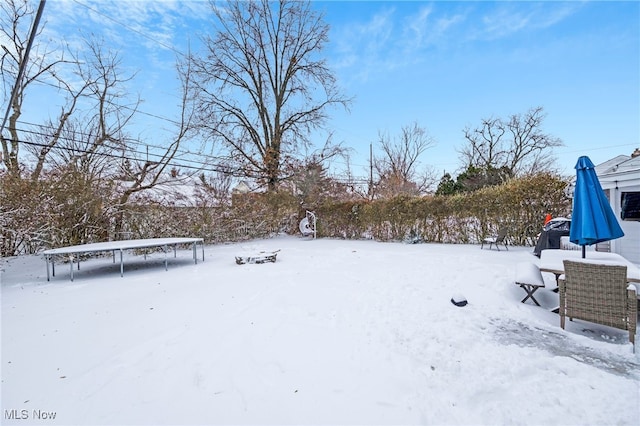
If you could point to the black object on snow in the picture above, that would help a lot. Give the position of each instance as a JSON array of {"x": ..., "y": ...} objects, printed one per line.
[
  {"x": 459, "y": 300},
  {"x": 550, "y": 235}
]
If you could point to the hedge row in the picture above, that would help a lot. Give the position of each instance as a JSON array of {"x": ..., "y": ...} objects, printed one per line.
[
  {"x": 520, "y": 204},
  {"x": 37, "y": 216}
]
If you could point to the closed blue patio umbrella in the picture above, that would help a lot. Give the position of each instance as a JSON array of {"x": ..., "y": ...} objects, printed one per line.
[{"x": 592, "y": 220}]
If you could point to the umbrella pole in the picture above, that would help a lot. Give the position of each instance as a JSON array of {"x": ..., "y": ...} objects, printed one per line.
[{"x": 584, "y": 251}]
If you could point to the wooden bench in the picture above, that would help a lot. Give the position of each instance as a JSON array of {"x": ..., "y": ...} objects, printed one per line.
[{"x": 529, "y": 277}]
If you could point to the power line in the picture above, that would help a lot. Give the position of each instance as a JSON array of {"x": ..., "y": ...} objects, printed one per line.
[
  {"x": 136, "y": 110},
  {"x": 196, "y": 166},
  {"x": 183, "y": 164},
  {"x": 173, "y": 49},
  {"x": 88, "y": 135},
  {"x": 124, "y": 149},
  {"x": 203, "y": 159},
  {"x": 201, "y": 166}
]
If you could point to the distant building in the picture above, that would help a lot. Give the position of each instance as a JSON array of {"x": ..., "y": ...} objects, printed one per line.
[{"x": 241, "y": 188}]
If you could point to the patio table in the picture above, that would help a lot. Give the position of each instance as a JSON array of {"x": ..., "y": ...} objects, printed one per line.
[{"x": 551, "y": 260}]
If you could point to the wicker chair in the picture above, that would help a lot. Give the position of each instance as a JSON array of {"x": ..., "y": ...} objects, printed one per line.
[{"x": 598, "y": 293}]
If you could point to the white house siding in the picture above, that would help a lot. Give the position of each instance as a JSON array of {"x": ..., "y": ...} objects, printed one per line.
[{"x": 618, "y": 175}]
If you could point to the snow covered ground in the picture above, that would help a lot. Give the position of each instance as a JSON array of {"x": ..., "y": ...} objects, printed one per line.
[{"x": 334, "y": 332}]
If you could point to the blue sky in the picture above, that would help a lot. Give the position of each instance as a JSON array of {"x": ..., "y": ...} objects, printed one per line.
[{"x": 443, "y": 65}]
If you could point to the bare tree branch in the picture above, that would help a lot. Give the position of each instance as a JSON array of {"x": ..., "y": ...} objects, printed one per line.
[
  {"x": 398, "y": 169},
  {"x": 517, "y": 145},
  {"x": 15, "y": 18}
]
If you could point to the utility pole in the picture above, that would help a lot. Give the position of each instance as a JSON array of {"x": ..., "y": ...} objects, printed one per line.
[{"x": 23, "y": 64}]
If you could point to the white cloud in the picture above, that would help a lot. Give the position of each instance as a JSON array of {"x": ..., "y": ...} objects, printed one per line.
[
  {"x": 511, "y": 18},
  {"x": 418, "y": 26},
  {"x": 388, "y": 41},
  {"x": 155, "y": 25},
  {"x": 427, "y": 28},
  {"x": 376, "y": 33},
  {"x": 365, "y": 45},
  {"x": 148, "y": 35}
]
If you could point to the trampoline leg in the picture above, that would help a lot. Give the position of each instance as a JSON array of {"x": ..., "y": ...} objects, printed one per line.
[
  {"x": 165, "y": 258},
  {"x": 121, "y": 265},
  {"x": 71, "y": 265},
  {"x": 46, "y": 259}
]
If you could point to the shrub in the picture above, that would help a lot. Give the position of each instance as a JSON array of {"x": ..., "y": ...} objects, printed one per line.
[{"x": 66, "y": 208}]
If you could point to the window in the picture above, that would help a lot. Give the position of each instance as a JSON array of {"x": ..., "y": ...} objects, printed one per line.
[{"x": 630, "y": 206}]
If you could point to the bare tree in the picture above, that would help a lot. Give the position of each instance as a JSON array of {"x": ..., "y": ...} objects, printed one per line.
[
  {"x": 90, "y": 135},
  {"x": 260, "y": 85},
  {"x": 15, "y": 19},
  {"x": 399, "y": 168},
  {"x": 146, "y": 174},
  {"x": 531, "y": 150},
  {"x": 485, "y": 147},
  {"x": 85, "y": 147},
  {"x": 517, "y": 146}
]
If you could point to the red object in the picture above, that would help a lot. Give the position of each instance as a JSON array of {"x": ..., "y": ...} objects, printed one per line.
[{"x": 547, "y": 219}]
